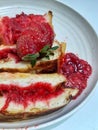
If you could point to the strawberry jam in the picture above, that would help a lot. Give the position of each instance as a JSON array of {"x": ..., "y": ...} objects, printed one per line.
[
  {"x": 35, "y": 25},
  {"x": 10, "y": 53},
  {"x": 76, "y": 70},
  {"x": 32, "y": 93},
  {"x": 4, "y": 52}
]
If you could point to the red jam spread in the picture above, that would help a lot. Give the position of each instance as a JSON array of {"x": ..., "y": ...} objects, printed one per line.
[
  {"x": 12, "y": 28},
  {"x": 10, "y": 53},
  {"x": 76, "y": 70},
  {"x": 22, "y": 95},
  {"x": 29, "y": 32}
]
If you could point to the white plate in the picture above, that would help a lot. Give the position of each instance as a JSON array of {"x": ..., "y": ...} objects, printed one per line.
[{"x": 81, "y": 39}]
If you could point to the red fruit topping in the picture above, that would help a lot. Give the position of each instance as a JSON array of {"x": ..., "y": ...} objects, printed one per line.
[
  {"x": 34, "y": 39},
  {"x": 9, "y": 53},
  {"x": 72, "y": 64},
  {"x": 76, "y": 70},
  {"x": 14, "y": 57},
  {"x": 12, "y": 28},
  {"x": 25, "y": 45},
  {"x": 23, "y": 95}
]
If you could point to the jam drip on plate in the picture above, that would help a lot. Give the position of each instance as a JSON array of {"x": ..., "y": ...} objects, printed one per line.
[{"x": 76, "y": 70}]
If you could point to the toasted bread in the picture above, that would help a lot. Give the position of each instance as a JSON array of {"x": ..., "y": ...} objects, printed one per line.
[
  {"x": 42, "y": 66},
  {"x": 48, "y": 16},
  {"x": 36, "y": 107}
]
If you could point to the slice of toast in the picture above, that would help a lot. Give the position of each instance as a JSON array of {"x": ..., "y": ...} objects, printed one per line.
[
  {"x": 43, "y": 65},
  {"x": 10, "y": 64},
  {"x": 12, "y": 109}
]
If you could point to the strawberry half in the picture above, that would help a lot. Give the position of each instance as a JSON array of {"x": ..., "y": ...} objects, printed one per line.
[{"x": 33, "y": 39}]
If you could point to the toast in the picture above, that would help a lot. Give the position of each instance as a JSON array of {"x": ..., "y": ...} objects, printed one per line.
[
  {"x": 43, "y": 65},
  {"x": 10, "y": 62},
  {"x": 11, "y": 106}
]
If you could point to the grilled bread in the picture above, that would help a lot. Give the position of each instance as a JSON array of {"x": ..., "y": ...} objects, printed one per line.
[
  {"x": 43, "y": 65},
  {"x": 10, "y": 62},
  {"x": 39, "y": 99}
]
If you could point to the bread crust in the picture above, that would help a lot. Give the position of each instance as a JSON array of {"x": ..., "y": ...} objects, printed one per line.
[
  {"x": 42, "y": 66},
  {"x": 8, "y": 117},
  {"x": 36, "y": 110}
]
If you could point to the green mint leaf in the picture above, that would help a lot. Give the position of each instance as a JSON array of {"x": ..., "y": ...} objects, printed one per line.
[
  {"x": 30, "y": 57},
  {"x": 44, "y": 49},
  {"x": 47, "y": 57},
  {"x": 51, "y": 53},
  {"x": 55, "y": 47},
  {"x": 42, "y": 55},
  {"x": 33, "y": 62}
]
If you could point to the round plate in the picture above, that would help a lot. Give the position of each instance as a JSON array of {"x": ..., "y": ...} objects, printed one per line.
[{"x": 81, "y": 39}]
